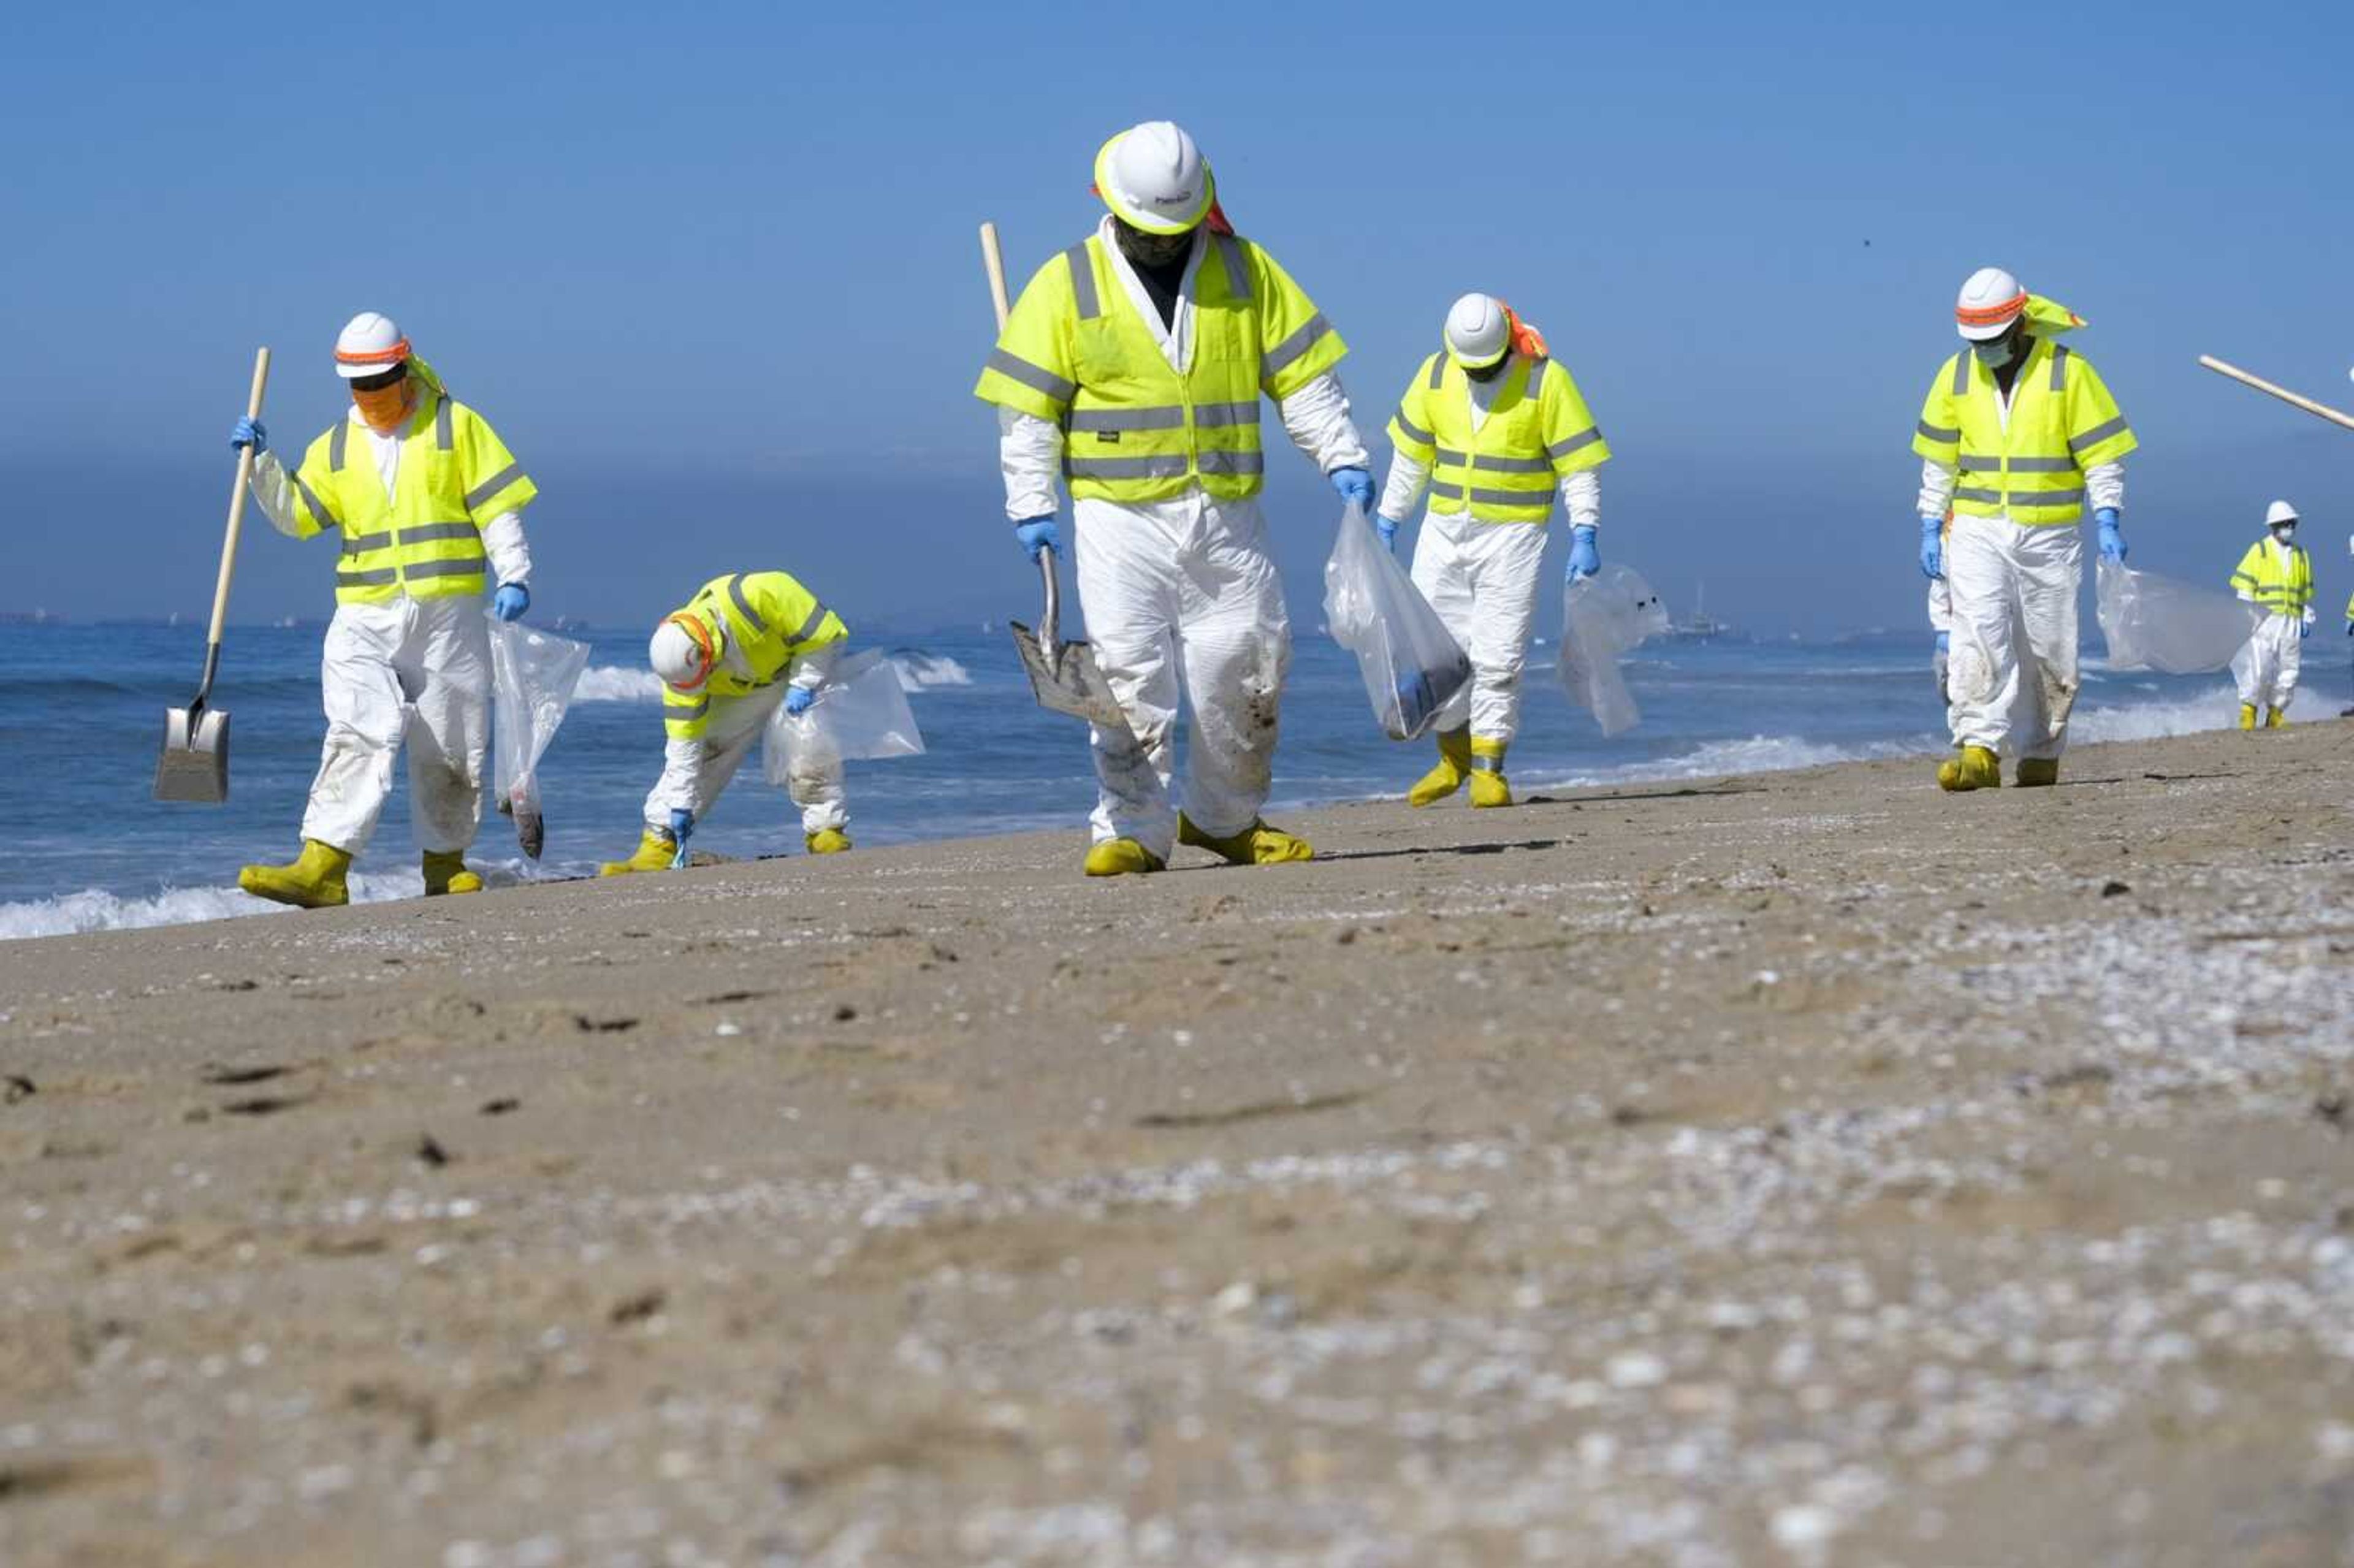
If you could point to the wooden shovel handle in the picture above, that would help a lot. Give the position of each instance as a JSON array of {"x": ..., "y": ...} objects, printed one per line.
[
  {"x": 994, "y": 260},
  {"x": 237, "y": 502},
  {"x": 2320, "y": 410}
]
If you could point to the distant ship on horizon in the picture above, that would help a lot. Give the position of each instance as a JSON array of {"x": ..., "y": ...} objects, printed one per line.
[{"x": 1701, "y": 626}]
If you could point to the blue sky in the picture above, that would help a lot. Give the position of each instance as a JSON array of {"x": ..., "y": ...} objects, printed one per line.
[{"x": 711, "y": 270}]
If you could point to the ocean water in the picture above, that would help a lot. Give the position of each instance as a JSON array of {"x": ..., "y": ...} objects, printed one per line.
[{"x": 82, "y": 712}]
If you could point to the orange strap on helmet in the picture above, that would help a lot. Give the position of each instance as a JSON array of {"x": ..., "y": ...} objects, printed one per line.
[
  {"x": 1525, "y": 337},
  {"x": 1991, "y": 315},
  {"x": 692, "y": 626},
  {"x": 393, "y": 355}
]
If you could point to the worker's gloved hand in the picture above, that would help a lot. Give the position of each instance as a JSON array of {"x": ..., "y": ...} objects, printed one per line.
[
  {"x": 511, "y": 601},
  {"x": 249, "y": 432},
  {"x": 1354, "y": 485},
  {"x": 1933, "y": 547},
  {"x": 797, "y": 701},
  {"x": 1944, "y": 643},
  {"x": 681, "y": 824},
  {"x": 1585, "y": 554},
  {"x": 1388, "y": 531},
  {"x": 1038, "y": 534},
  {"x": 2112, "y": 536},
  {"x": 2303, "y": 630}
]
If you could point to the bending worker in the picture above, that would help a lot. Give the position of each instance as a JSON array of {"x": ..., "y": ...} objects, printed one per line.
[
  {"x": 2018, "y": 432},
  {"x": 1132, "y": 364},
  {"x": 2277, "y": 576},
  {"x": 429, "y": 503},
  {"x": 727, "y": 658},
  {"x": 1494, "y": 427}
]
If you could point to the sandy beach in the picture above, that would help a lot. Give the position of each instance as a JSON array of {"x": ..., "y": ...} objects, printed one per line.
[{"x": 1807, "y": 1168}]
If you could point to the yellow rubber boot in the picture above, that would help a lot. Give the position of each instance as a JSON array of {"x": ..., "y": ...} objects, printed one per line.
[
  {"x": 654, "y": 853},
  {"x": 314, "y": 880},
  {"x": 1454, "y": 767},
  {"x": 1122, "y": 857},
  {"x": 2275, "y": 719},
  {"x": 1489, "y": 788},
  {"x": 447, "y": 873},
  {"x": 826, "y": 840},
  {"x": 1257, "y": 844},
  {"x": 2247, "y": 715},
  {"x": 1975, "y": 768},
  {"x": 2038, "y": 772}
]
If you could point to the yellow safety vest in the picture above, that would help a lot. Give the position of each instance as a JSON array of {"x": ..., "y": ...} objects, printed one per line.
[
  {"x": 1075, "y": 352},
  {"x": 769, "y": 620},
  {"x": 1537, "y": 430},
  {"x": 2062, "y": 422},
  {"x": 426, "y": 540},
  {"x": 2278, "y": 588}
]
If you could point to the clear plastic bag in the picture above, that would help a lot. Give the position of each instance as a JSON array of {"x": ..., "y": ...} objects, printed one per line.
[
  {"x": 2161, "y": 624},
  {"x": 533, "y": 673},
  {"x": 860, "y": 713},
  {"x": 1412, "y": 665},
  {"x": 1603, "y": 617}
]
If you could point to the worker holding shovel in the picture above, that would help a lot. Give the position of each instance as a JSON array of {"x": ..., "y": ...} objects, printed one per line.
[
  {"x": 1132, "y": 366},
  {"x": 428, "y": 502}
]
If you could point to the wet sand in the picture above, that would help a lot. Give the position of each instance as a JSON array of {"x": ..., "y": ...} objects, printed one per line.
[{"x": 1803, "y": 1168}]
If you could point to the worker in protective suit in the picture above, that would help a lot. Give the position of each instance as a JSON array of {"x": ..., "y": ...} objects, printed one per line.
[
  {"x": 727, "y": 657},
  {"x": 1132, "y": 366},
  {"x": 1495, "y": 427},
  {"x": 2018, "y": 434},
  {"x": 2277, "y": 576},
  {"x": 428, "y": 502}
]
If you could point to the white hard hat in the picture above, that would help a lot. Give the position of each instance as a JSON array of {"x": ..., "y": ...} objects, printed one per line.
[
  {"x": 684, "y": 650},
  {"x": 1989, "y": 303},
  {"x": 370, "y": 344},
  {"x": 2279, "y": 512},
  {"x": 1154, "y": 178},
  {"x": 1478, "y": 331}
]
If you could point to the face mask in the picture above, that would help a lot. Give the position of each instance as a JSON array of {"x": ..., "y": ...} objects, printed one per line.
[
  {"x": 1152, "y": 249},
  {"x": 2284, "y": 532},
  {"x": 1997, "y": 354},
  {"x": 1489, "y": 372},
  {"x": 385, "y": 407}
]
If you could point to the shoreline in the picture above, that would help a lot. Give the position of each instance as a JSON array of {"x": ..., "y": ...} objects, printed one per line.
[{"x": 1796, "y": 1167}]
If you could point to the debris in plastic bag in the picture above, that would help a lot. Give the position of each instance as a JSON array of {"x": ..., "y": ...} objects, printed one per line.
[
  {"x": 1412, "y": 665},
  {"x": 1603, "y": 617},
  {"x": 2152, "y": 622},
  {"x": 533, "y": 673},
  {"x": 860, "y": 713}
]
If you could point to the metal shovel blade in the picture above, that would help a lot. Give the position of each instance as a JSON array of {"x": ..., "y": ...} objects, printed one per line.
[
  {"x": 194, "y": 765},
  {"x": 1068, "y": 683}
]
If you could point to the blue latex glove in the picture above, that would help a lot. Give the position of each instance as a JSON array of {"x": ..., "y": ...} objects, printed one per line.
[
  {"x": 2112, "y": 538},
  {"x": 511, "y": 601},
  {"x": 1388, "y": 531},
  {"x": 249, "y": 432},
  {"x": 1038, "y": 534},
  {"x": 1585, "y": 554},
  {"x": 1944, "y": 643},
  {"x": 2303, "y": 630},
  {"x": 1354, "y": 485},
  {"x": 682, "y": 825},
  {"x": 797, "y": 701},
  {"x": 1933, "y": 547}
]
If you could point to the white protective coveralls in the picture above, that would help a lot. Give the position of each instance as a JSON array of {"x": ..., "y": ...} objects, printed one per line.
[
  {"x": 413, "y": 670},
  {"x": 694, "y": 772},
  {"x": 1941, "y": 623},
  {"x": 1482, "y": 578},
  {"x": 2267, "y": 668},
  {"x": 2011, "y": 672},
  {"x": 1179, "y": 596}
]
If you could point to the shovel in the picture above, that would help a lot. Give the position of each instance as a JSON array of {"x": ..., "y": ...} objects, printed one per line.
[
  {"x": 1063, "y": 675},
  {"x": 194, "y": 765}
]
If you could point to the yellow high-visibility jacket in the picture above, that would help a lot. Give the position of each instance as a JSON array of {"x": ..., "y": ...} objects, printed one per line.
[
  {"x": 770, "y": 620},
  {"x": 1537, "y": 432},
  {"x": 2062, "y": 422},
  {"x": 426, "y": 541},
  {"x": 1075, "y": 353},
  {"x": 2278, "y": 586}
]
